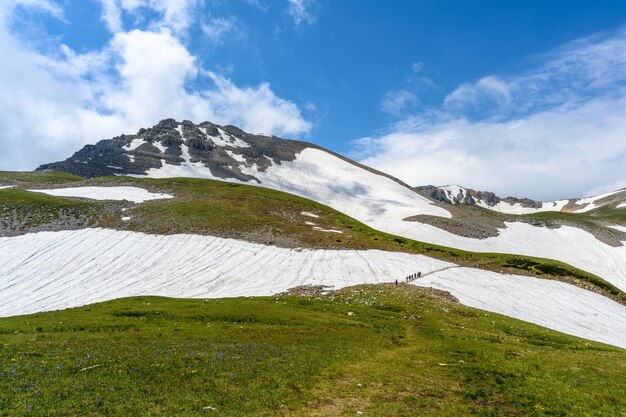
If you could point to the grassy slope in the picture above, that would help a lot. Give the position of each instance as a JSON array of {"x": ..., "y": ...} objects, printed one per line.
[
  {"x": 32, "y": 209},
  {"x": 403, "y": 351},
  {"x": 274, "y": 217}
]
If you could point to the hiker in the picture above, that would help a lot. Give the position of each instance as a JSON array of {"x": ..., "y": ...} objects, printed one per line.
[
  {"x": 419, "y": 274},
  {"x": 396, "y": 283}
]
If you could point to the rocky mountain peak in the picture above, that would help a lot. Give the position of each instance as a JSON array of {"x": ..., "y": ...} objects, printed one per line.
[{"x": 172, "y": 148}]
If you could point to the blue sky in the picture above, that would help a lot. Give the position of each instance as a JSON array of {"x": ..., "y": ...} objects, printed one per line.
[{"x": 522, "y": 98}]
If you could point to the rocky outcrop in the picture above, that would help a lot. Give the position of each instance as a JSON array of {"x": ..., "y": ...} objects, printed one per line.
[
  {"x": 460, "y": 195},
  {"x": 224, "y": 150}
]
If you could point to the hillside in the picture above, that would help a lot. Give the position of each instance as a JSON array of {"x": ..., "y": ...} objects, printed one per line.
[
  {"x": 214, "y": 239},
  {"x": 371, "y": 197},
  {"x": 376, "y": 350}
]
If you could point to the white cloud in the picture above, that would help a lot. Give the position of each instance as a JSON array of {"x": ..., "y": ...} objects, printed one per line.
[
  {"x": 53, "y": 103},
  {"x": 258, "y": 4},
  {"x": 303, "y": 11},
  {"x": 553, "y": 132},
  {"x": 397, "y": 102},
  {"x": 46, "y": 6},
  {"x": 175, "y": 15},
  {"x": 111, "y": 15},
  {"x": 216, "y": 29},
  {"x": 256, "y": 109},
  {"x": 488, "y": 91}
]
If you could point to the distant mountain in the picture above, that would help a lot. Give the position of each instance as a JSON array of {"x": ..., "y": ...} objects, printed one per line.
[{"x": 455, "y": 194}]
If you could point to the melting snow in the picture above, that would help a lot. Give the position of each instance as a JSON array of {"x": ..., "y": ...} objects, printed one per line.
[
  {"x": 552, "y": 304},
  {"x": 53, "y": 270},
  {"x": 134, "y": 194},
  {"x": 517, "y": 208},
  {"x": 236, "y": 156},
  {"x": 319, "y": 229},
  {"x": 309, "y": 214},
  {"x": 134, "y": 144},
  {"x": 73, "y": 268},
  {"x": 566, "y": 243},
  {"x": 2, "y": 187},
  {"x": 590, "y": 201},
  {"x": 159, "y": 146},
  {"x": 382, "y": 204},
  {"x": 224, "y": 139},
  {"x": 620, "y": 228}
]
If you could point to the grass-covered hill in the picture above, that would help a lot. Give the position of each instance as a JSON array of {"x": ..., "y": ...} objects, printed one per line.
[
  {"x": 256, "y": 214},
  {"x": 367, "y": 350}
]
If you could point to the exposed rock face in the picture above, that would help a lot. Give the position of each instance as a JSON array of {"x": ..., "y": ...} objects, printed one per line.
[
  {"x": 460, "y": 195},
  {"x": 221, "y": 149}
]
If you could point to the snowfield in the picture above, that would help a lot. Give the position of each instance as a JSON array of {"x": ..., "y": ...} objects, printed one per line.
[
  {"x": 552, "y": 304},
  {"x": 54, "y": 270},
  {"x": 567, "y": 244},
  {"x": 322, "y": 177},
  {"x": 2, "y": 187},
  {"x": 134, "y": 194},
  {"x": 517, "y": 208},
  {"x": 382, "y": 203}
]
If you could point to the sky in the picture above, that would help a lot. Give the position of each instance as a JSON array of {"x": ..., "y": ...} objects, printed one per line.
[{"x": 523, "y": 98}]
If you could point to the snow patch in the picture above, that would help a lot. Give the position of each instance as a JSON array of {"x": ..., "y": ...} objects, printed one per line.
[
  {"x": 236, "y": 156},
  {"x": 159, "y": 146},
  {"x": 319, "y": 229},
  {"x": 590, "y": 201},
  {"x": 616, "y": 227},
  {"x": 224, "y": 139},
  {"x": 552, "y": 304},
  {"x": 517, "y": 208},
  {"x": 134, "y": 144},
  {"x": 134, "y": 194},
  {"x": 309, "y": 214},
  {"x": 2, "y": 187}
]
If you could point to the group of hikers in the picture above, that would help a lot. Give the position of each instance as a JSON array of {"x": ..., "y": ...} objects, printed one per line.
[{"x": 411, "y": 277}]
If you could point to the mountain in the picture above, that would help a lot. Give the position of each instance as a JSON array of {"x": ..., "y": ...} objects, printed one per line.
[
  {"x": 266, "y": 216},
  {"x": 455, "y": 194},
  {"x": 182, "y": 149}
]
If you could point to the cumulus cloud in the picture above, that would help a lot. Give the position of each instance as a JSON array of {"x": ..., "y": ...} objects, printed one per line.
[
  {"x": 303, "y": 11},
  {"x": 54, "y": 102},
  {"x": 556, "y": 131}
]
